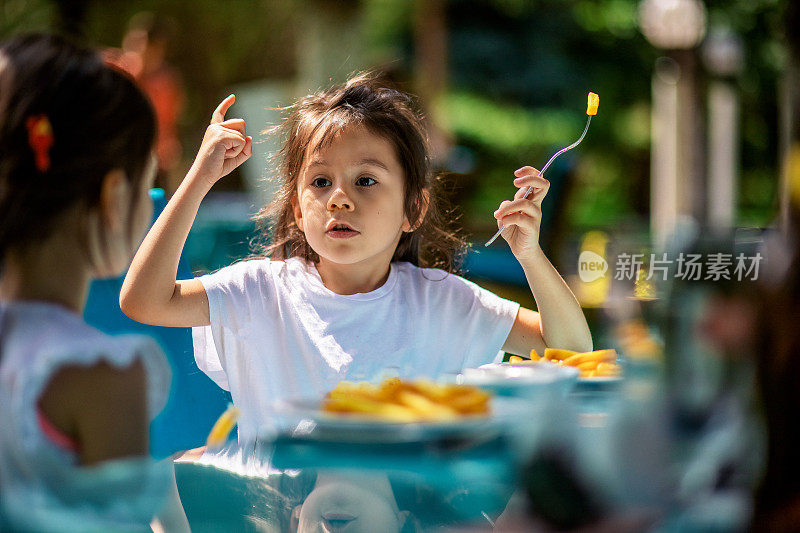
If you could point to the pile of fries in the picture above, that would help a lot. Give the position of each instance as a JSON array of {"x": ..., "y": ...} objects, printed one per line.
[
  {"x": 396, "y": 400},
  {"x": 596, "y": 364},
  {"x": 637, "y": 342}
]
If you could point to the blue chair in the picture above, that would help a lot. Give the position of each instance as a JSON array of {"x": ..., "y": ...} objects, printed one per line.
[{"x": 195, "y": 401}]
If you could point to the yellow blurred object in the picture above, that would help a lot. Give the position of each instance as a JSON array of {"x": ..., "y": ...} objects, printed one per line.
[
  {"x": 223, "y": 427},
  {"x": 592, "y": 104},
  {"x": 643, "y": 288},
  {"x": 514, "y": 359},
  {"x": 596, "y": 356},
  {"x": 592, "y": 287},
  {"x": 558, "y": 354},
  {"x": 608, "y": 369},
  {"x": 428, "y": 408},
  {"x": 793, "y": 174},
  {"x": 395, "y": 400},
  {"x": 370, "y": 408},
  {"x": 636, "y": 341}
]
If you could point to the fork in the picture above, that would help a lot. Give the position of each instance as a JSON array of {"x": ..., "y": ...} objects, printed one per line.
[{"x": 555, "y": 155}]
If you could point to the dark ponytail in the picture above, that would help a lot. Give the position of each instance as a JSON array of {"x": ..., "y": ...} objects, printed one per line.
[{"x": 99, "y": 121}]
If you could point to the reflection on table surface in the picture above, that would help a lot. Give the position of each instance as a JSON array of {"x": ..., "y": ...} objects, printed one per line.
[
  {"x": 602, "y": 457},
  {"x": 463, "y": 476}
]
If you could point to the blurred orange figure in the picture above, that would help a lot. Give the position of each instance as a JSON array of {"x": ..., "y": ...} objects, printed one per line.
[{"x": 143, "y": 56}]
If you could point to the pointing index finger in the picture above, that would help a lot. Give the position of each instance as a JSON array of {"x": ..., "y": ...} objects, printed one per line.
[{"x": 219, "y": 113}]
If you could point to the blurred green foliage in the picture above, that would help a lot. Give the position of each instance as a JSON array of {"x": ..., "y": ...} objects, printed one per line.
[
  {"x": 536, "y": 61},
  {"x": 25, "y": 15},
  {"x": 507, "y": 128},
  {"x": 519, "y": 71}
]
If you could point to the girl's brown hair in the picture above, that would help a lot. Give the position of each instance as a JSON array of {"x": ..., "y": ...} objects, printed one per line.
[{"x": 363, "y": 101}]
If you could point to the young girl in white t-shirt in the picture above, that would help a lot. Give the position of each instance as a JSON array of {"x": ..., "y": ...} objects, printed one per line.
[{"x": 346, "y": 289}]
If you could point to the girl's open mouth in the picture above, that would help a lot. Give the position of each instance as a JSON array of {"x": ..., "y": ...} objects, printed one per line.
[{"x": 340, "y": 231}]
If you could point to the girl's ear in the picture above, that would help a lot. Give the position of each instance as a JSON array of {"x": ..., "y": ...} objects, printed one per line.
[
  {"x": 298, "y": 213},
  {"x": 115, "y": 194},
  {"x": 426, "y": 201}
]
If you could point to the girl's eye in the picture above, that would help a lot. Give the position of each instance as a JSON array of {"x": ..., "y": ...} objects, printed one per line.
[
  {"x": 365, "y": 181},
  {"x": 320, "y": 182}
]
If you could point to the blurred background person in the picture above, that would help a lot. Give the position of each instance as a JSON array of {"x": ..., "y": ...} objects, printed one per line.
[{"x": 145, "y": 47}]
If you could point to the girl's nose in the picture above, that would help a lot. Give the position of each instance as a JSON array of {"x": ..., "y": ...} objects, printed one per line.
[{"x": 339, "y": 200}]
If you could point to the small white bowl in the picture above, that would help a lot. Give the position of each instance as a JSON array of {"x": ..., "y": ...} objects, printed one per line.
[{"x": 521, "y": 381}]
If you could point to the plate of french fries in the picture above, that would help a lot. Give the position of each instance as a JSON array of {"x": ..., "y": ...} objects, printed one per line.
[
  {"x": 595, "y": 366},
  {"x": 399, "y": 409}
]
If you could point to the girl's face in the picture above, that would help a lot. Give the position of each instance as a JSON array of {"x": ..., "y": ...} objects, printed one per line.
[
  {"x": 350, "y": 503},
  {"x": 123, "y": 239},
  {"x": 350, "y": 198},
  {"x": 144, "y": 206}
]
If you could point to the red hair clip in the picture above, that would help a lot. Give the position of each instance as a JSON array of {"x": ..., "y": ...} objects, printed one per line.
[{"x": 40, "y": 139}]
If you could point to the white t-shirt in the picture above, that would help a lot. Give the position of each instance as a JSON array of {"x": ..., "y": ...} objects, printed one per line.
[{"x": 277, "y": 333}]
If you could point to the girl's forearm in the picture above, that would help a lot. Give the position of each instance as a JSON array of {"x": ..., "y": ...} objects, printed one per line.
[
  {"x": 172, "y": 517},
  {"x": 562, "y": 320},
  {"x": 151, "y": 280}
]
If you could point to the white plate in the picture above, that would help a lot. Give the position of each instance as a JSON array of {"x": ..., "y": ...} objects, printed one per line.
[
  {"x": 304, "y": 418},
  {"x": 601, "y": 379},
  {"x": 532, "y": 371},
  {"x": 546, "y": 364},
  {"x": 526, "y": 381}
]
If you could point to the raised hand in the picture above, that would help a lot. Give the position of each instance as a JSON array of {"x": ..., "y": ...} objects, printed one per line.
[
  {"x": 521, "y": 216},
  {"x": 225, "y": 145}
]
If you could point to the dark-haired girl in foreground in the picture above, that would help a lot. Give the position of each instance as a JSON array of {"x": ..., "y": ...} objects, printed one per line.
[{"x": 76, "y": 163}]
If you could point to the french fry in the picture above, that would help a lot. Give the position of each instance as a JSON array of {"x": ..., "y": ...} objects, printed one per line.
[
  {"x": 609, "y": 355},
  {"x": 389, "y": 388},
  {"x": 379, "y": 410},
  {"x": 557, "y": 354},
  {"x": 517, "y": 360},
  {"x": 535, "y": 355},
  {"x": 425, "y": 408},
  {"x": 588, "y": 365},
  {"x": 579, "y": 358},
  {"x": 471, "y": 404},
  {"x": 353, "y": 391},
  {"x": 597, "y": 355},
  {"x": 223, "y": 427},
  {"x": 593, "y": 102},
  {"x": 451, "y": 395},
  {"x": 608, "y": 369}
]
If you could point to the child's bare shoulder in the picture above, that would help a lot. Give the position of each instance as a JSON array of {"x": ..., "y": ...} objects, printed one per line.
[{"x": 98, "y": 384}]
